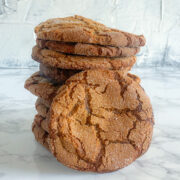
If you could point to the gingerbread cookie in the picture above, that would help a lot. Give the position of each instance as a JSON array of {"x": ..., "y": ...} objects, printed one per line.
[
  {"x": 100, "y": 120},
  {"x": 87, "y": 49},
  {"x": 64, "y": 61},
  {"x": 84, "y": 30}
]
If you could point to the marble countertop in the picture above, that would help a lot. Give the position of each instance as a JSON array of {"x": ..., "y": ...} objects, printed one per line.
[{"x": 21, "y": 157}]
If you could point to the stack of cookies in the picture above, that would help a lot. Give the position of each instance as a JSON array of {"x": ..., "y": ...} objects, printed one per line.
[{"x": 92, "y": 114}]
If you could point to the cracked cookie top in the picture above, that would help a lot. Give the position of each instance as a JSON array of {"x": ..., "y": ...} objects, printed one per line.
[
  {"x": 100, "y": 120},
  {"x": 84, "y": 30}
]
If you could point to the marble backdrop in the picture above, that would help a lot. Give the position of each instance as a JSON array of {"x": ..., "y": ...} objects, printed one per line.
[{"x": 158, "y": 20}]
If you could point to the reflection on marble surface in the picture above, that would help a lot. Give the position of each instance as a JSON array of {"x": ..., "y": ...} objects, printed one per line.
[{"x": 22, "y": 158}]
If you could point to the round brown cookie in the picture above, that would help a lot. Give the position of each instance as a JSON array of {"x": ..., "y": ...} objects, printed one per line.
[
  {"x": 100, "y": 120},
  {"x": 87, "y": 49},
  {"x": 84, "y": 30},
  {"x": 64, "y": 61},
  {"x": 40, "y": 135},
  {"x": 41, "y": 87},
  {"x": 56, "y": 75}
]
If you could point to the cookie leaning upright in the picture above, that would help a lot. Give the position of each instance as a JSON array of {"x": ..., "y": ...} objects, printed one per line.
[
  {"x": 91, "y": 135},
  {"x": 100, "y": 120}
]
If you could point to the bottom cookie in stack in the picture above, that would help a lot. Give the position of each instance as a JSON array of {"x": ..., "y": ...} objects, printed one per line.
[{"x": 99, "y": 120}]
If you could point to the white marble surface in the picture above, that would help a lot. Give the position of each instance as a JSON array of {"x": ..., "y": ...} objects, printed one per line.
[{"x": 22, "y": 158}]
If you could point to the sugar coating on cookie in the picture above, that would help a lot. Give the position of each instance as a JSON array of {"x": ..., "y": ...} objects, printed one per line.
[
  {"x": 100, "y": 121},
  {"x": 84, "y": 30}
]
